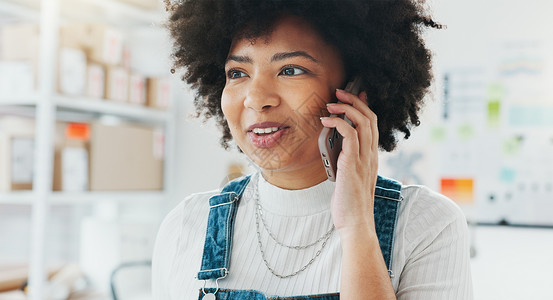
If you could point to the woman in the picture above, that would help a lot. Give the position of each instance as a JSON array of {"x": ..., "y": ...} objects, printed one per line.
[{"x": 268, "y": 71}]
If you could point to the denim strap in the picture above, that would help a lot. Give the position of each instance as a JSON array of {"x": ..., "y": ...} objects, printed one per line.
[
  {"x": 387, "y": 197},
  {"x": 220, "y": 224}
]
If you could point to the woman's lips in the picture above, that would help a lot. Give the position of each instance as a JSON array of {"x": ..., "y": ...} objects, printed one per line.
[{"x": 265, "y": 135}]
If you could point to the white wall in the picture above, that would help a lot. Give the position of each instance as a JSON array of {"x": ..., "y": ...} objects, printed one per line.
[
  {"x": 202, "y": 164},
  {"x": 510, "y": 159}
]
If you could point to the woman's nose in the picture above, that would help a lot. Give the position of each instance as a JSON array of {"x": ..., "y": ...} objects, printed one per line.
[{"x": 261, "y": 95}]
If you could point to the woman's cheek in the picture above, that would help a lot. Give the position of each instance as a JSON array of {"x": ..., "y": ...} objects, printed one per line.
[
  {"x": 231, "y": 111},
  {"x": 227, "y": 107},
  {"x": 224, "y": 102}
]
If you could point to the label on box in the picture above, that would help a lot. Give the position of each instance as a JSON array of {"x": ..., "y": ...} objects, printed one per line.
[
  {"x": 126, "y": 58},
  {"x": 137, "y": 89},
  {"x": 113, "y": 46},
  {"x": 95, "y": 81},
  {"x": 72, "y": 71},
  {"x": 118, "y": 84},
  {"x": 163, "y": 93},
  {"x": 74, "y": 169},
  {"x": 22, "y": 152},
  {"x": 159, "y": 144}
]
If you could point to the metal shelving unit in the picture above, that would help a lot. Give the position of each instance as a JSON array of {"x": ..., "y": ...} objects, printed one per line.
[
  {"x": 89, "y": 106},
  {"x": 47, "y": 106}
]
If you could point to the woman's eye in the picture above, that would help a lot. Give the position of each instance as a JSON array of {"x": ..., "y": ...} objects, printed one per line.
[
  {"x": 291, "y": 71},
  {"x": 233, "y": 74}
]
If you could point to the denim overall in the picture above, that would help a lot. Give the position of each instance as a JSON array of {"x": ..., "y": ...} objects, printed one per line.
[{"x": 218, "y": 240}]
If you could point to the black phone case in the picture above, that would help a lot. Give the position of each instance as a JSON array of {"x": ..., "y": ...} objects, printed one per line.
[{"x": 330, "y": 140}]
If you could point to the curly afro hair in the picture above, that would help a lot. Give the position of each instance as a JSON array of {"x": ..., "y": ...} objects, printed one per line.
[{"x": 379, "y": 40}]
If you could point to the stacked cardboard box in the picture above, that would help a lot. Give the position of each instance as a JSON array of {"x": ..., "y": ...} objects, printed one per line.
[
  {"x": 103, "y": 48},
  {"x": 93, "y": 61},
  {"x": 93, "y": 156},
  {"x": 17, "y": 150},
  {"x": 19, "y": 46}
]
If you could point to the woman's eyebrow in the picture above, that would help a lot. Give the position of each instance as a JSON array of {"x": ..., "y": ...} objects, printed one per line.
[
  {"x": 276, "y": 57},
  {"x": 285, "y": 55},
  {"x": 239, "y": 58}
]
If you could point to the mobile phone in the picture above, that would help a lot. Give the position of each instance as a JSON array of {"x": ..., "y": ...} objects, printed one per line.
[{"x": 330, "y": 140}]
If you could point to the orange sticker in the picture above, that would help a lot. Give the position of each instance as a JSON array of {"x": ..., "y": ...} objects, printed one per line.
[
  {"x": 77, "y": 131},
  {"x": 460, "y": 190}
]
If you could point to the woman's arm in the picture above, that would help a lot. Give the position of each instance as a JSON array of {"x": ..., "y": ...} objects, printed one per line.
[{"x": 364, "y": 273}]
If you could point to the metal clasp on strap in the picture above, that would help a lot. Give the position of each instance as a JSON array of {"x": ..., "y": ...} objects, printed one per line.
[
  {"x": 212, "y": 295},
  {"x": 225, "y": 271},
  {"x": 226, "y": 203},
  {"x": 391, "y": 274},
  {"x": 390, "y": 198}
]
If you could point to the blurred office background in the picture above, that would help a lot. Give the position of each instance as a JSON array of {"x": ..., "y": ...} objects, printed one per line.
[{"x": 97, "y": 143}]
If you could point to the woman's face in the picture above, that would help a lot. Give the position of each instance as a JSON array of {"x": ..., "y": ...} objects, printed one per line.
[{"x": 276, "y": 91}]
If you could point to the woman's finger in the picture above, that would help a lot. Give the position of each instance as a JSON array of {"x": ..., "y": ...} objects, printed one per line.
[
  {"x": 360, "y": 122},
  {"x": 362, "y": 117},
  {"x": 358, "y": 102},
  {"x": 350, "y": 143}
]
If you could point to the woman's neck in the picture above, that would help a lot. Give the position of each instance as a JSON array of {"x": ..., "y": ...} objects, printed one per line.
[{"x": 296, "y": 179}]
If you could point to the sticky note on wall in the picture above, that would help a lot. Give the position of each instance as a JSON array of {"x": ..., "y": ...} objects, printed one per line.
[
  {"x": 460, "y": 190},
  {"x": 494, "y": 113}
]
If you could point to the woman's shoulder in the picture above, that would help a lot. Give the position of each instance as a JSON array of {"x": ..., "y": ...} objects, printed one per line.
[{"x": 424, "y": 212}]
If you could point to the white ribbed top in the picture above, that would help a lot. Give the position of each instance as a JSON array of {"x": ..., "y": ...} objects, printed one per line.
[{"x": 430, "y": 260}]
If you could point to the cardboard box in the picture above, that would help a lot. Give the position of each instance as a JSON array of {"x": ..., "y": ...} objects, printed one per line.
[
  {"x": 95, "y": 81},
  {"x": 117, "y": 84},
  {"x": 16, "y": 153},
  {"x": 20, "y": 43},
  {"x": 79, "y": 43},
  {"x": 72, "y": 70},
  {"x": 71, "y": 157},
  {"x": 22, "y": 162},
  {"x": 16, "y": 78},
  {"x": 123, "y": 157},
  {"x": 159, "y": 92},
  {"x": 137, "y": 89},
  {"x": 102, "y": 44},
  {"x": 71, "y": 167},
  {"x": 17, "y": 138}
]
